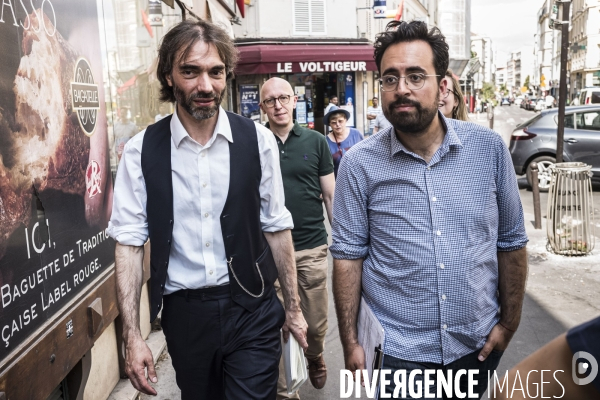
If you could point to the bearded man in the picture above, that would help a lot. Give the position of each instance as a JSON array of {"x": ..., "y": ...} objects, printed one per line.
[
  {"x": 428, "y": 228},
  {"x": 205, "y": 186}
]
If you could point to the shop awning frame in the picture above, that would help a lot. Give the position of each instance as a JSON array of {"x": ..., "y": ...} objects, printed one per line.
[{"x": 270, "y": 58}]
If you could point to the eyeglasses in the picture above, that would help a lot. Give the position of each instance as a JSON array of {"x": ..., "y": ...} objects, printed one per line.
[
  {"x": 283, "y": 99},
  {"x": 415, "y": 81}
]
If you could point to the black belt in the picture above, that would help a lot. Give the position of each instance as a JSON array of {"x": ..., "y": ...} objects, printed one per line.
[{"x": 210, "y": 293}]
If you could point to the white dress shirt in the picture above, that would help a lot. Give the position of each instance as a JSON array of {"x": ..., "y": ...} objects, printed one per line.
[{"x": 200, "y": 188}]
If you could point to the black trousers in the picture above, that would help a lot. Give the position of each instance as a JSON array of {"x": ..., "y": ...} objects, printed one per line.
[{"x": 220, "y": 350}]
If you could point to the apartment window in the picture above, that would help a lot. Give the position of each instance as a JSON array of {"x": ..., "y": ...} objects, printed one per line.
[{"x": 309, "y": 17}]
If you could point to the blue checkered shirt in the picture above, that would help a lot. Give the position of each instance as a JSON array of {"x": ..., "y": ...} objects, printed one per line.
[{"x": 429, "y": 234}]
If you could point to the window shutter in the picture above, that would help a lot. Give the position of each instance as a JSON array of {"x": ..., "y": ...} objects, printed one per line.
[
  {"x": 302, "y": 17},
  {"x": 309, "y": 17},
  {"x": 317, "y": 17}
]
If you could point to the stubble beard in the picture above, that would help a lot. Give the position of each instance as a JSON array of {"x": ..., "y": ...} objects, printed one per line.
[
  {"x": 198, "y": 113},
  {"x": 413, "y": 122}
]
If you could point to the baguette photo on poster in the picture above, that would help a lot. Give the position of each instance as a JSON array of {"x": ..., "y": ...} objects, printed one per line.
[{"x": 55, "y": 180}]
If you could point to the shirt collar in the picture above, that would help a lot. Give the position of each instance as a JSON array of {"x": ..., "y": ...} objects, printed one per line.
[
  {"x": 296, "y": 129},
  {"x": 178, "y": 132},
  {"x": 450, "y": 138}
]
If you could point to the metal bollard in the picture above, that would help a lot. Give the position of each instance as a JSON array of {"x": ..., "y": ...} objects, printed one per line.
[{"x": 536, "y": 197}]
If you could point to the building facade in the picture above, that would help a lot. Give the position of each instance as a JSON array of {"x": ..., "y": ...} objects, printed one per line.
[
  {"x": 318, "y": 46},
  {"x": 481, "y": 47},
  {"x": 546, "y": 74},
  {"x": 455, "y": 23},
  {"x": 584, "y": 40}
]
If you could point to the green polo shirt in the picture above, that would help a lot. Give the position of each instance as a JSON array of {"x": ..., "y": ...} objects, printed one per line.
[{"x": 304, "y": 157}]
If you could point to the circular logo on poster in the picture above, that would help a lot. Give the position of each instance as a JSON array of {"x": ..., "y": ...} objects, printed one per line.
[
  {"x": 84, "y": 94},
  {"x": 93, "y": 178}
]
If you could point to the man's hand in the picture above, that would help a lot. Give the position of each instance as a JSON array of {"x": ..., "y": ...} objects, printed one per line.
[
  {"x": 354, "y": 357},
  {"x": 498, "y": 339},
  {"x": 138, "y": 357},
  {"x": 295, "y": 323}
]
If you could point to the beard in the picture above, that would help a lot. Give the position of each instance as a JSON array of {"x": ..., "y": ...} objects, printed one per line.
[
  {"x": 199, "y": 113},
  {"x": 415, "y": 121}
]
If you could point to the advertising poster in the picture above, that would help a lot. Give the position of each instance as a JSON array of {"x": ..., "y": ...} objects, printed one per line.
[
  {"x": 349, "y": 97},
  {"x": 55, "y": 181},
  {"x": 249, "y": 102},
  {"x": 301, "y": 112}
]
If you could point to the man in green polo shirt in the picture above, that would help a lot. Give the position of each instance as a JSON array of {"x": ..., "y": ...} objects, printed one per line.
[{"x": 308, "y": 182}]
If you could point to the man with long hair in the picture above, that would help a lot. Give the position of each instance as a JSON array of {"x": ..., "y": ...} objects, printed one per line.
[{"x": 205, "y": 186}]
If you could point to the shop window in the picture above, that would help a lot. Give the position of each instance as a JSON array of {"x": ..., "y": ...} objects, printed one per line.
[{"x": 309, "y": 17}]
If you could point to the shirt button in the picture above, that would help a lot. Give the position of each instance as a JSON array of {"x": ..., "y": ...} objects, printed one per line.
[
  {"x": 434, "y": 198},
  {"x": 210, "y": 272},
  {"x": 282, "y": 151},
  {"x": 203, "y": 154},
  {"x": 428, "y": 168},
  {"x": 207, "y": 244},
  {"x": 438, "y": 233},
  {"x": 442, "y": 266},
  {"x": 443, "y": 297},
  {"x": 204, "y": 184},
  {"x": 445, "y": 326},
  {"x": 206, "y": 215}
]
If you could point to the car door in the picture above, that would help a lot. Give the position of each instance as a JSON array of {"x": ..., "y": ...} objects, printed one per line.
[{"x": 582, "y": 143}]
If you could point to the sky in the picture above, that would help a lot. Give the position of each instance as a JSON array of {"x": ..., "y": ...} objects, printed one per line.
[{"x": 510, "y": 24}]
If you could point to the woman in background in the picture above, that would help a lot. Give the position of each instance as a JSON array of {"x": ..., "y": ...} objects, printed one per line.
[
  {"x": 453, "y": 104},
  {"x": 341, "y": 137}
]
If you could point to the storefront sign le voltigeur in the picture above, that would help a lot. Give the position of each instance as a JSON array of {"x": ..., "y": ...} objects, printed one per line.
[{"x": 321, "y": 66}]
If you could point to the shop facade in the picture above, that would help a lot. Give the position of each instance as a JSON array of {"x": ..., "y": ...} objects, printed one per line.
[{"x": 317, "y": 71}]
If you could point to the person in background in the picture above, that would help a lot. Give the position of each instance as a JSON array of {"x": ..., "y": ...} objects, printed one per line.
[
  {"x": 124, "y": 130},
  {"x": 381, "y": 123},
  {"x": 341, "y": 138},
  {"x": 333, "y": 102},
  {"x": 452, "y": 104},
  {"x": 162, "y": 112},
  {"x": 372, "y": 113},
  {"x": 307, "y": 171},
  {"x": 558, "y": 356}
]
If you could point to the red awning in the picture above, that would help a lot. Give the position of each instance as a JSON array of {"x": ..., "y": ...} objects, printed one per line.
[
  {"x": 127, "y": 85},
  {"x": 296, "y": 58}
]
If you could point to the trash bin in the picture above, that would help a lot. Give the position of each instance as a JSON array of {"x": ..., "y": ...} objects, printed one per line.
[{"x": 570, "y": 211}]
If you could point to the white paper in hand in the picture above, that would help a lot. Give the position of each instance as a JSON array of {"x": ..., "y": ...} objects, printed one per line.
[{"x": 295, "y": 364}]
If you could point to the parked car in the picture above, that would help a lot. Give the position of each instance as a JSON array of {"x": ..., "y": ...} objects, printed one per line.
[
  {"x": 535, "y": 141},
  {"x": 519, "y": 101},
  {"x": 540, "y": 105},
  {"x": 531, "y": 103},
  {"x": 505, "y": 102},
  {"x": 590, "y": 95}
]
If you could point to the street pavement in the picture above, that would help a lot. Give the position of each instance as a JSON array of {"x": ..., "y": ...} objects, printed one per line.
[{"x": 561, "y": 291}]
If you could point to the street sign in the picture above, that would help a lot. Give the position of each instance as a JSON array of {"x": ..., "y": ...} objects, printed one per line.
[{"x": 379, "y": 9}]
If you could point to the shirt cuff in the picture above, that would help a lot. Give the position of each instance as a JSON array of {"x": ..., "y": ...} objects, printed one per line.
[
  {"x": 512, "y": 245},
  {"x": 278, "y": 223},
  {"x": 129, "y": 235},
  {"x": 345, "y": 251}
]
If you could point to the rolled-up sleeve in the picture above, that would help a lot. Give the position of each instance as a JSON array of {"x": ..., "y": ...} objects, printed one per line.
[
  {"x": 128, "y": 223},
  {"x": 350, "y": 229},
  {"x": 274, "y": 217},
  {"x": 511, "y": 223}
]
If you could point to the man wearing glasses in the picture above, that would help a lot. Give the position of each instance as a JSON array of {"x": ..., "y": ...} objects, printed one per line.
[
  {"x": 308, "y": 182},
  {"x": 428, "y": 227}
]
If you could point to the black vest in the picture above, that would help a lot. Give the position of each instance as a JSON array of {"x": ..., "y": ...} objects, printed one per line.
[{"x": 245, "y": 243}]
